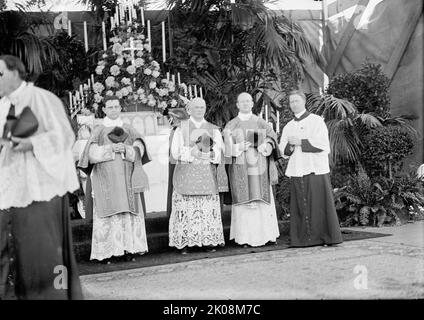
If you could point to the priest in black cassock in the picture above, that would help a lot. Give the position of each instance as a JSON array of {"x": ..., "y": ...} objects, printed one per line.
[
  {"x": 36, "y": 171},
  {"x": 304, "y": 140}
]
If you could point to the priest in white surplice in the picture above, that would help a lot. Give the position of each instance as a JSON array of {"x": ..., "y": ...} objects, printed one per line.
[
  {"x": 36, "y": 173},
  {"x": 117, "y": 152},
  {"x": 196, "y": 214},
  {"x": 250, "y": 149},
  {"x": 304, "y": 140}
]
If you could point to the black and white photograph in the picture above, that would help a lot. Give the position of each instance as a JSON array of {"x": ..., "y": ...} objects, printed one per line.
[{"x": 211, "y": 155}]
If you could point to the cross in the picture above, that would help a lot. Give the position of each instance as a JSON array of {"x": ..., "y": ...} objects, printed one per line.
[{"x": 132, "y": 49}]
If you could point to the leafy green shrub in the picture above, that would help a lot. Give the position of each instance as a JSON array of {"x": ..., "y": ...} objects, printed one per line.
[
  {"x": 384, "y": 148},
  {"x": 375, "y": 202},
  {"x": 367, "y": 88}
]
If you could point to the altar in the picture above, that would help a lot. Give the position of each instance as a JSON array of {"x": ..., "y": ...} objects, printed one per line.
[{"x": 156, "y": 133}]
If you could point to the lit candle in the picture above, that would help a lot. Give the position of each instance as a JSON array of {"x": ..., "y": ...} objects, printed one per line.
[
  {"x": 92, "y": 79},
  {"x": 278, "y": 121},
  {"x": 85, "y": 36},
  {"x": 81, "y": 89},
  {"x": 69, "y": 28},
  {"x": 201, "y": 93},
  {"x": 266, "y": 113},
  {"x": 261, "y": 115},
  {"x": 173, "y": 78},
  {"x": 189, "y": 92},
  {"x": 185, "y": 91},
  {"x": 132, "y": 52},
  {"x": 134, "y": 11},
  {"x": 195, "y": 91},
  {"x": 163, "y": 42},
  {"x": 149, "y": 36},
  {"x": 70, "y": 100},
  {"x": 89, "y": 84},
  {"x": 179, "y": 78},
  {"x": 104, "y": 36},
  {"x": 142, "y": 16},
  {"x": 167, "y": 76},
  {"x": 112, "y": 25},
  {"x": 129, "y": 13},
  {"x": 117, "y": 18}
]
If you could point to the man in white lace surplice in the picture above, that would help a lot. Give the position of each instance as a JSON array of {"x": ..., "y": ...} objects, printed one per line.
[
  {"x": 118, "y": 181},
  {"x": 196, "y": 213},
  {"x": 35, "y": 176}
]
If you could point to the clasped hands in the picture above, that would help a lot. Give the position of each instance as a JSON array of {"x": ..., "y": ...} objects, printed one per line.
[
  {"x": 118, "y": 147},
  {"x": 17, "y": 144},
  {"x": 265, "y": 148},
  {"x": 295, "y": 141},
  {"x": 197, "y": 154}
]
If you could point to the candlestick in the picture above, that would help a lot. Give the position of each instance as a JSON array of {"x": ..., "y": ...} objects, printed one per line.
[
  {"x": 130, "y": 13},
  {"x": 163, "y": 42},
  {"x": 278, "y": 122},
  {"x": 195, "y": 91},
  {"x": 179, "y": 78},
  {"x": 117, "y": 17},
  {"x": 85, "y": 36},
  {"x": 266, "y": 113},
  {"x": 69, "y": 28},
  {"x": 104, "y": 36},
  {"x": 142, "y": 16},
  {"x": 149, "y": 35},
  {"x": 134, "y": 10},
  {"x": 70, "y": 100}
]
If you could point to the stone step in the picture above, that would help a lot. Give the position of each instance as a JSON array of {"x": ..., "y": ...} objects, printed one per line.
[{"x": 157, "y": 234}]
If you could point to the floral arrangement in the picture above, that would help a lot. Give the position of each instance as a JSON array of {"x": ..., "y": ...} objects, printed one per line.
[{"x": 128, "y": 71}]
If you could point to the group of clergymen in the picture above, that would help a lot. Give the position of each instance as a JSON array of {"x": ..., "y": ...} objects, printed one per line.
[
  {"x": 38, "y": 171},
  {"x": 240, "y": 160}
]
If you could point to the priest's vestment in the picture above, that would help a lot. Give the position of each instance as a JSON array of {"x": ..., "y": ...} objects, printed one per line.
[
  {"x": 118, "y": 181},
  {"x": 196, "y": 213},
  {"x": 251, "y": 174},
  {"x": 313, "y": 217},
  {"x": 35, "y": 234}
]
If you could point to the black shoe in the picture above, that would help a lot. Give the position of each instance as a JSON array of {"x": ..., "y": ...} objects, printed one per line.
[
  {"x": 130, "y": 257},
  {"x": 106, "y": 261},
  {"x": 184, "y": 250},
  {"x": 210, "y": 249}
]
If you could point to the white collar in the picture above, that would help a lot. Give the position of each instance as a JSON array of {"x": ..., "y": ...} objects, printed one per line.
[
  {"x": 17, "y": 93},
  {"x": 298, "y": 115},
  {"x": 245, "y": 116},
  {"x": 198, "y": 124},
  {"x": 112, "y": 123}
]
